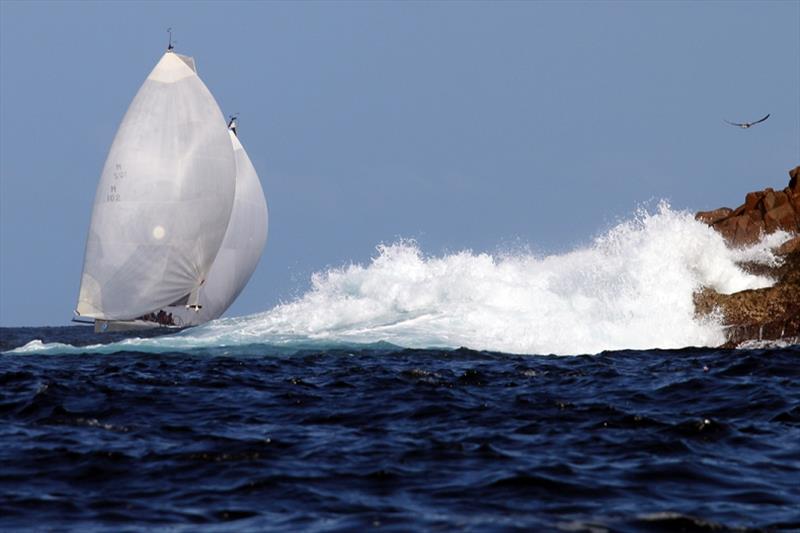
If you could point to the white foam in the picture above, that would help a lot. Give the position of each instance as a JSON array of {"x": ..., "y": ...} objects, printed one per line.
[{"x": 631, "y": 289}]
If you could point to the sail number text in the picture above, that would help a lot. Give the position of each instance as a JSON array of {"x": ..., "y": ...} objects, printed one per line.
[{"x": 119, "y": 173}]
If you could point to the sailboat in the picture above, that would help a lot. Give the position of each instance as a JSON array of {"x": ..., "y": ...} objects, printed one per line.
[{"x": 179, "y": 219}]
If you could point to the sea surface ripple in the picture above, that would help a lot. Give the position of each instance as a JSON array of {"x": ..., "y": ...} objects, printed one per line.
[{"x": 396, "y": 439}]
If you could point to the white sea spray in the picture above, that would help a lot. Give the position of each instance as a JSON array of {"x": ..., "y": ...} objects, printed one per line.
[{"x": 630, "y": 289}]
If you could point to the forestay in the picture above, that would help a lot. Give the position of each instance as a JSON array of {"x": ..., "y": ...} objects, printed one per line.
[{"x": 164, "y": 198}]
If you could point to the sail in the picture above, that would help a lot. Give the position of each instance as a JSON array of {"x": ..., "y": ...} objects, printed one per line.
[
  {"x": 164, "y": 198},
  {"x": 241, "y": 248}
]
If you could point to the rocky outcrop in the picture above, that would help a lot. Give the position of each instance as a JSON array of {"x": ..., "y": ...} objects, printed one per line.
[
  {"x": 761, "y": 314},
  {"x": 762, "y": 212}
]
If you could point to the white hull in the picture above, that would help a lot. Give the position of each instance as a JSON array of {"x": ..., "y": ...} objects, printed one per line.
[{"x": 108, "y": 326}]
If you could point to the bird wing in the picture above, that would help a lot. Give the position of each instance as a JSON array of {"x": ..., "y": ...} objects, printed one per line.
[
  {"x": 733, "y": 123},
  {"x": 761, "y": 120}
]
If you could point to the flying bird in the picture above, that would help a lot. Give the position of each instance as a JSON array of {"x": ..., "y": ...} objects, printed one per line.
[{"x": 745, "y": 125}]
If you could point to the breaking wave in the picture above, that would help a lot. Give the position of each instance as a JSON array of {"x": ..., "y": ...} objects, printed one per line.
[{"x": 630, "y": 289}]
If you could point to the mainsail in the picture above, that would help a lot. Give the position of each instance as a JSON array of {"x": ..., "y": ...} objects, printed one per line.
[
  {"x": 241, "y": 248},
  {"x": 164, "y": 199}
]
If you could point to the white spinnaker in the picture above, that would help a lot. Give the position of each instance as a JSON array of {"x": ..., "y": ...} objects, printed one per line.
[
  {"x": 241, "y": 248},
  {"x": 164, "y": 198}
]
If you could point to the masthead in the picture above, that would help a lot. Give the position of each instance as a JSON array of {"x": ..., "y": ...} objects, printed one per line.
[{"x": 171, "y": 45}]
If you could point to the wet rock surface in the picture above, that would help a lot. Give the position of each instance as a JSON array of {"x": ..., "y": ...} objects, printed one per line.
[
  {"x": 762, "y": 314},
  {"x": 762, "y": 212}
]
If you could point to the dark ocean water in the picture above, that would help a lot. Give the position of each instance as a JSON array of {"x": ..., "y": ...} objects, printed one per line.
[{"x": 390, "y": 439}]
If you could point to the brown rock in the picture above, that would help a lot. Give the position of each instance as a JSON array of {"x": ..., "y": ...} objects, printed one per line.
[
  {"x": 747, "y": 231},
  {"x": 792, "y": 245},
  {"x": 770, "y": 313},
  {"x": 712, "y": 217},
  {"x": 768, "y": 202},
  {"x": 781, "y": 198},
  {"x": 782, "y": 217},
  {"x": 773, "y": 312},
  {"x": 762, "y": 212},
  {"x": 727, "y": 228},
  {"x": 751, "y": 200},
  {"x": 770, "y": 224},
  {"x": 739, "y": 211}
]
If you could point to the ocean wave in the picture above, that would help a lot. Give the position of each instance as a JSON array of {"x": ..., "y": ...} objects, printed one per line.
[{"x": 631, "y": 288}]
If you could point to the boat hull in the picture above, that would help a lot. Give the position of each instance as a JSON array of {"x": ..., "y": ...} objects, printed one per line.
[{"x": 109, "y": 326}]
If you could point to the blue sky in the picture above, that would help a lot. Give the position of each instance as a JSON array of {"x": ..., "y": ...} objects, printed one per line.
[{"x": 474, "y": 125}]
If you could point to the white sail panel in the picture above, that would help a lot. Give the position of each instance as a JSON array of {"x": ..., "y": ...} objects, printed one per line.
[
  {"x": 164, "y": 198},
  {"x": 241, "y": 248}
]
